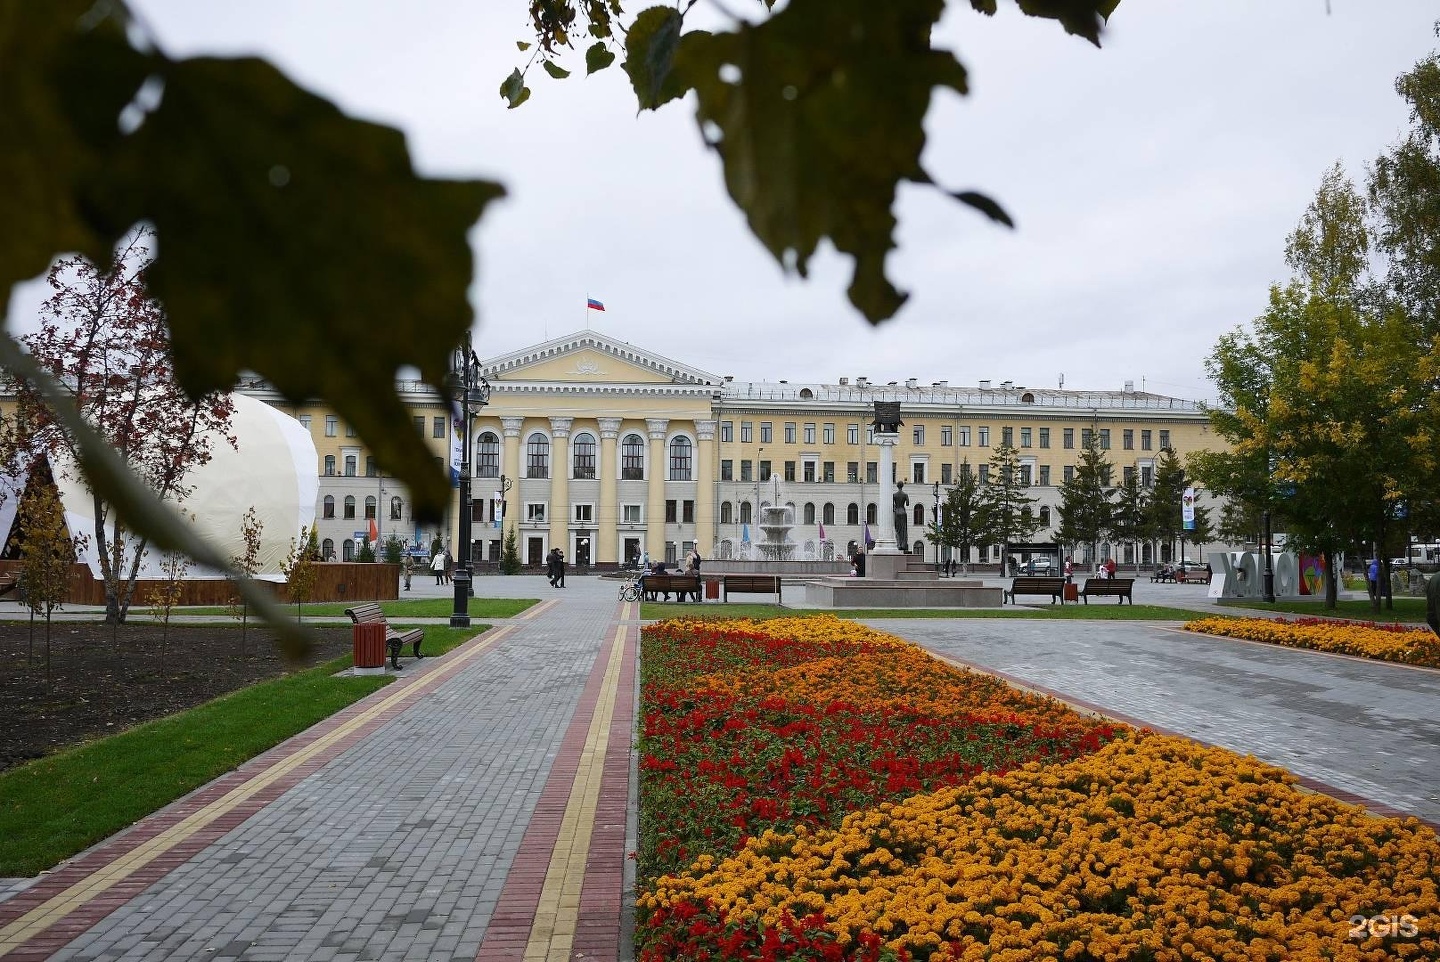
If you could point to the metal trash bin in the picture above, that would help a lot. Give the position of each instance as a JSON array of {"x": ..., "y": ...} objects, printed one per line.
[
  {"x": 1072, "y": 592},
  {"x": 712, "y": 589},
  {"x": 369, "y": 645}
]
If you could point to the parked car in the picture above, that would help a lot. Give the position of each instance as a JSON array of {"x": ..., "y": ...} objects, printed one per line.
[{"x": 1038, "y": 566}]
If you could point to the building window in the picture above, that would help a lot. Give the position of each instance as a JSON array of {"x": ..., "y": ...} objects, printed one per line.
[
  {"x": 726, "y": 513},
  {"x": 671, "y": 515},
  {"x": 1127, "y": 440},
  {"x": 349, "y": 506},
  {"x": 1069, "y": 473},
  {"x": 1025, "y": 437},
  {"x": 917, "y": 435},
  {"x": 630, "y": 514},
  {"x": 584, "y": 514},
  {"x": 727, "y": 431},
  {"x": 537, "y": 457},
  {"x": 1069, "y": 440},
  {"x": 1087, "y": 437},
  {"x": 984, "y": 474},
  {"x": 1044, "y": 475},
  {"x": 1026, "y": 475},
  {"x": 329, "y": 465},
  {"x": 304, "y": 420},
  {"x": 827, "y": 514},
  {"x": 632, "y": 458},
  {"x": 789, "y": 432},
  {"x": 1044, "y": 437},
  {"x": 420, "y": 424},
  {"x": 370, "y": 508},
  {"x": 535, "y": 512},
  {"x": 327, "y": 549},
  {"x": 487, "y": 456},
  {"x": 1045, "y": 517},
  {"x": 917, "y": 472},
  {"x": 746, "y": 512},
  {"x": 329, "y": 507},
  {"x": 872, "y": 472},
  {"x": 349, "y": 465},
  {"x": 680, "y": 459},
  {"x": 984, "y": 437},
  {"x": 1007, "y": 436},
  {"x": 809, "y": 434},
  {"x": 746, "y": 434},
  {"x": 332, "y": 425},
  {"x": 764, "y": 468},
  {"x": 687, "y": 512},
  {"x": 919, "y": 516},
  {"x": 350, "y": 431},
  {"x": 1127, "y": 476},
  {"x": 1104, "y": 439},
  {"x": 765, "y": 432},
  {"x": 746, "y": 474},
  {"x": 1164, "y": 440},
  {"x": 827, "y": 434},
  {"x": 437, "y": 428},
  {"x": 727, "y": 470},
  {"x": 1145, "y": 441},
  {"x": 827, "y": 472},
  {"x": 370, "y": 471},
  {"x": 347, "y": 550},
  {"x": 809, "y": 471},
  {"x": 852, "y": 433},
  {"x": 964, "y": 437},
  {"x": 852, "y": 513},
  {"x": 397, "y": 509},
  {"x": 870, "y": 513},
  {"x": 1147, "y": 476},
  {"x": 945, "y": 473},
  {"x": 808, "y": 516},
  {"x": 852, "y": 471},
  {"x": 789, "y": 471},
  {"x": 583, "y": 457}
]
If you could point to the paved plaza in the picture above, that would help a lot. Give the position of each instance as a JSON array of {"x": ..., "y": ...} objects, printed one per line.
[{"x": 481, "y": 807}]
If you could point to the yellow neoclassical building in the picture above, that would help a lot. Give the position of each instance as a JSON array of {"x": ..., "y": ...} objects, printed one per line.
[{"x": 612, "y": 452}]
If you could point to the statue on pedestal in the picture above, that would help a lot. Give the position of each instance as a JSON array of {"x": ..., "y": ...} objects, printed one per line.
[
  {"x": 887, "y": 417},
  {"x": 900, "y": 506}
]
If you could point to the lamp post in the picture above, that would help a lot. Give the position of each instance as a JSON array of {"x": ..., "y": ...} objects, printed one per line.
[
  {"x": 472, "y": 388},
  {"x": 1267, "y": 582},
  {"x": 936, "y": 510}
]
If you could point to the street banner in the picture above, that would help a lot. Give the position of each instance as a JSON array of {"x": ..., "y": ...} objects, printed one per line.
[{"x": 1187, "y": 509}]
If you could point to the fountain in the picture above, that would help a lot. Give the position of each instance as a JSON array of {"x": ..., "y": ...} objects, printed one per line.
[{"x": 776, "y": 521}]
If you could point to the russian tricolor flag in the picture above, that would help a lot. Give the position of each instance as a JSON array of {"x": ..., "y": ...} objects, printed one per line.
[{"x": 593, "y": 304}]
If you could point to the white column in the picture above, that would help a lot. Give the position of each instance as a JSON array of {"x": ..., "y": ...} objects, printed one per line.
[
  {"x": 885, "y": 541},
  {"x": 560, "y": 485},
  {"x": 655, "y": 506},
  {"x": 607, "y": 512}
]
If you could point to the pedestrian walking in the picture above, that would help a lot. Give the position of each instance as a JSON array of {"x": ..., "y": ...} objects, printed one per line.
[{"x": 437, "y": 565}]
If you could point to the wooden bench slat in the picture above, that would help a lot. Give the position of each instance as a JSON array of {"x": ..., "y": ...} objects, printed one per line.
[
  {"x": 681, "y": 585},
  {"x": 1054, "y": 587},
  {"x": 1119, "y": 588},
  {"x": 750, "y": 584}
]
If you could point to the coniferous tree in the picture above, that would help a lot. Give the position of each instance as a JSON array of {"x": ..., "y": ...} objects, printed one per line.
[
  {"x": 1164, "y": 520},
  {"x": 960, "y": 515},
  {"x": 1127, "y": 518},
  {"x": 1007, "y": 512},
  {"x": 1086, "y": 506}
]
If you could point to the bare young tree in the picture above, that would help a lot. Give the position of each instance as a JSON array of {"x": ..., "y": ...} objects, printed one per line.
[{"x": 47, "y": 551}]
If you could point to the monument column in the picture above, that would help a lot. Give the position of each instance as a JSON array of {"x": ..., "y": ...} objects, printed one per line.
[
  {"x": 607, "y": 512},
  {"x": 655, "y": 504},
  {"x": 560, "y": 485},
  {"x": 705, "y": 488},
  {"x": 885, "y": 558},
  {"x": 511, "y": 469}
]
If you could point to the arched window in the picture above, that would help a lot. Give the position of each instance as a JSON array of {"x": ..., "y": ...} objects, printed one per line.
[
  {"x": 370, "y": 507},
  {"x": 919, "y": 515},
  {"x": 746, "y": 512},
  {"x": 632, "y": 458},
  {"x": 809, "y": 513},
  {"x": 397, "y": 509},
  {"x": 327, "y": 549},
  {"x": 726, "y": 513},
  {"x": 1045, "y": 517},
  {"x": 487, "y": 455},
  {"x": 349, "y": 505},
  {"x": 680, "y": 459},
  {"x": 918, "y": 548},
  {"x": 347, "y": 550},
  {"x": 329, "y": 508},
  {"x": 537, "y": 457},
  {"x": 852, "y": 513},
  {"x": 827, "y": 514},
  {"x": 584, "y": 456},
  {"x": 329, "y": 465},
  {"x": 870, "y": 513}
]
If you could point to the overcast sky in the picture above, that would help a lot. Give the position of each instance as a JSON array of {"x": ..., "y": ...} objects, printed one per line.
[{"x": 1153, "y": 182}]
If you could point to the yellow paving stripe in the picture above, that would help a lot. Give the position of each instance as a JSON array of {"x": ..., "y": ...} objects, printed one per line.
[
  {"x": 553, "y": 933},
  {"x": 17, "y": 933}
]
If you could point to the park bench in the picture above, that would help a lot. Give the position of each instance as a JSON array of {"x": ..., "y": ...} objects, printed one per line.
[
  {"x": 1054, "y": 587},
  {"x": 372, "y": 615},
  {"x": 750, "y": 584},
  {"x": 8, "y": 583},
  {"x": 1113, "y": 587},
  {"x": 680, "y": 585},
  {"x": 1193, "y": 576}
]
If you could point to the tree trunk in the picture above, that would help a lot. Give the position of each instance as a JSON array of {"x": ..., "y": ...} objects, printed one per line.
[{"x": 1332, "y": 580}]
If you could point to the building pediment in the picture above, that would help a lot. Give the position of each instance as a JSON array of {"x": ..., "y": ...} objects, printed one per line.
[{"x": 588, "y": 357}]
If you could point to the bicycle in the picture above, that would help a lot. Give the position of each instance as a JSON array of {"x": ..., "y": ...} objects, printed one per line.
[{"x": 630, "y": 590}]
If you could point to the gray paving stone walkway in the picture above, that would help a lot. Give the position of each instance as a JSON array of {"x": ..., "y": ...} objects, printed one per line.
[{"x": 1364, "y": 727}]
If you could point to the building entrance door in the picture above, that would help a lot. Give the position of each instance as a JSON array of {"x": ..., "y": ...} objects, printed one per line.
[
  {"x": 632, "y": 552},
  {"x": 534, "y": 550}
]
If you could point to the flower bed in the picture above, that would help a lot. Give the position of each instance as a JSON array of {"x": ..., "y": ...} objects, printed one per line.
[
  {"x": 888, "y": 806},
  {"x": 1400, "y": 643}
]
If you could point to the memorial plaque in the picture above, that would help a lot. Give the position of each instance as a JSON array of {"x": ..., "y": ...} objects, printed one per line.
[{"x": 887, "y": 417}]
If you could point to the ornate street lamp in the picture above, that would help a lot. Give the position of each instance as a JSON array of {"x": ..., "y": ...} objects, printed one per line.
[{"x": 473, "y": 390}]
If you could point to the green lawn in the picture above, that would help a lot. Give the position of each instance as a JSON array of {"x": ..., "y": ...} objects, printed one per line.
[
  {"x": 56, "y": 806},
  {"x": 1406, "y": 609},
  {"x": 404, "y": 608},
  {"x": 1100, "y": 611}
]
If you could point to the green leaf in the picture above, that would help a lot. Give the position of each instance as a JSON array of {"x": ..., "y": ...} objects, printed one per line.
[
  {"x": 821, "y": 124},
  {"x": 1083, "y": 18},
  {"x": 297, "y": 242},
  {"x": 597, "y": 58},
  {"x": 650, "y": 48},
  {"x": 522, "y": 45},
  {"x": 514, "y": 89},
  {"x": 554, "y": 69},
  {"x": 984, "y": 205},
  {"x": 66, "y": 76}
]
